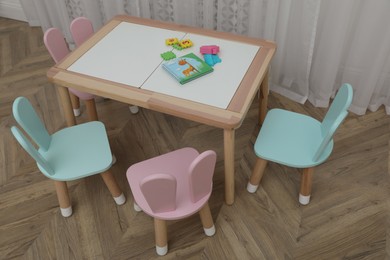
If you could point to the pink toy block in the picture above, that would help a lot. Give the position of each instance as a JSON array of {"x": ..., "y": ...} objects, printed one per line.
[{"x": 209, "y": 49}]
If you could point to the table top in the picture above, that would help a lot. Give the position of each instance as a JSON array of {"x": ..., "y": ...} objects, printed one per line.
[{"x": 122, "y": 61}]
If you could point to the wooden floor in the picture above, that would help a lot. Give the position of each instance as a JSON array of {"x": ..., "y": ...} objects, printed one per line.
[{"x": 348, "y": 217}]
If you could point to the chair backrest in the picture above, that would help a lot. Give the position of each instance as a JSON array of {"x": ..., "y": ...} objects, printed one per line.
[
  {"x": 336, "y": 114},
  {"x": 28, "y": 119},
  {"x": 81, "y": 29},
  {"x": 159, "y": 191},
  {"x": 55, "y": 44},
  {"x": 27, "y": 145},
  {"x": 201, "y": 173}
]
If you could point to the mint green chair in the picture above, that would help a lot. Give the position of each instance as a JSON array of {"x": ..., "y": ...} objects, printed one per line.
[
  {"x": 299, "y": 141},
  {"x": 69, "y": 154}
]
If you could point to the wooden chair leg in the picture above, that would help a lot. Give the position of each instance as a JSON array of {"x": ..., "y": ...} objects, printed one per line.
[
  {"x": 161, "y": 236},
  {"x": 113, "y": 187},
  {"x": 207, "y": 220},
  {"x": 63, "y": 198},
  {"x": 91, "y": 109},
  {"x": 75, "y": 103},
  {"x": 136, "y": 207},
  {"x": 256, "y": 176},
  {"x": 306, "y": 183}
]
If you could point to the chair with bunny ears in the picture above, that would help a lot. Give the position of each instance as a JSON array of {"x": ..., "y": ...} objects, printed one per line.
[
  {"x": 58, "y": 49},
  {"x": 173, "y": 186},
  {"x": 299, "y": 141},
  {"x": 81, "y": 29},
  {"x": 69, "y": 154}
]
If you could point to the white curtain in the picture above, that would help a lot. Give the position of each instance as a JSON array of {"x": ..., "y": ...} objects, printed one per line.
[{"x": 321, "y": 43}]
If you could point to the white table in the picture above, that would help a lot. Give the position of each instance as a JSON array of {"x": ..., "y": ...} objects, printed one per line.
[{"x": 122, "y": 61}]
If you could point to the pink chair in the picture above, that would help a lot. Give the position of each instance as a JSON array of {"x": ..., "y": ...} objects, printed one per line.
[
  {"x": 81, "y": 29},
  {"x": 58, "y": 49},
  {"x": 174, "y": 186}
]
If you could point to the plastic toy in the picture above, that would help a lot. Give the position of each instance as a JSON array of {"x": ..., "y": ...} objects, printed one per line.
[
  {"x": 211, "y": 59},
  {"x": 171, "y": 41},
  {"x": 177, "y": 47},
  {"x": 185, "y": 43},
  {"x": 168, "y": 55},
  {"x": 210, "y": 54},
  {"x": 209, "y": 49}
]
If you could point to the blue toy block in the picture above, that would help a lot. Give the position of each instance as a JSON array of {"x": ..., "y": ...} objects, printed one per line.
[
  {"x": 211, "y": 59},
  {"x": 216, "y": 59}
]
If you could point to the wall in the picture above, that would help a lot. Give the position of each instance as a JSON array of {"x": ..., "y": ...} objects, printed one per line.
[{"x": 12, "y": 9}]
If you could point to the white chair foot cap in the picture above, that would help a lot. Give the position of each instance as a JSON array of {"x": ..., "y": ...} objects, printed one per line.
[
  {"x": 304, "y": 200},
  {"x": 120, "y": 200},
  {"x": 162, "y": 250},
  {"x": 67, "y": 212},
  {"x": 76, "y": 111},
  {"x": 137, "y": 208},
  {"x": 134, "y": 109},
  {"x": 251, "y": 188},
  {"x": 209, "y": 231},
  {"x": 113, "y": 160}
]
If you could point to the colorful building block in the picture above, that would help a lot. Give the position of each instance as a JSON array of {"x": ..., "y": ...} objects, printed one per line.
[
  {"x": 209, "y": 49},
  {"x": 211, "y": 59},
  {"x": 171, "y": 41},
  {"x": 185, "y": 43},
  {"x": 168, "y": 55}
]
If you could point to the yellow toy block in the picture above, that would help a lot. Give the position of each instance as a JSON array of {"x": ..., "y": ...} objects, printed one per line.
[
  {"x": 185, "y": 43},
  {"x": 171, "y": 41}
]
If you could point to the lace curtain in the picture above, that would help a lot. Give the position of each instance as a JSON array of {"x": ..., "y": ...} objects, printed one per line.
[{"x": 321, "y": 43}]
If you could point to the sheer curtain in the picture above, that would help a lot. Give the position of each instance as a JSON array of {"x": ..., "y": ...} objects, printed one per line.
[{"x": 321, "y": 43}]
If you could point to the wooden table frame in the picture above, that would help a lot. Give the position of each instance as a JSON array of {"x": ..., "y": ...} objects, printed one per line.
[{"x": 256, "y": 79}]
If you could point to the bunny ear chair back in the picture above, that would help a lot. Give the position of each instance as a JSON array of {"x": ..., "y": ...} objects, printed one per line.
[
  {"x": 173, "y": 186},
  {"x": 69, "y": 154},
  {"x": 56, "y": 45},
  {"x": 299, "y": 141}
]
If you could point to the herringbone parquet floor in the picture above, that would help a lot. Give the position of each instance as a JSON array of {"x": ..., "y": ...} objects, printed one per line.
[{"x": 347, "y": 218}]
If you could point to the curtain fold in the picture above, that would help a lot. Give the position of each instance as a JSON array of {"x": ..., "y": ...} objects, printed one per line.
[{"x": 321, "y": 43}]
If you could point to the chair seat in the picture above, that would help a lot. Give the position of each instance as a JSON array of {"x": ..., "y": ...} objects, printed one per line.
[
  {"x": 81, "y": 95},
  {"x": 78, "y": 151},
  {"x": 175, "y": 163},
  {"x": 291, "y": 139}
]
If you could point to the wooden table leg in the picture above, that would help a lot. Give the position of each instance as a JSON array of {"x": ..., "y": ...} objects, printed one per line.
[
  {"x": 263, "y": 101},
  {"x": 229, "y": 165},
  {"x": 66, "y": 105}
]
